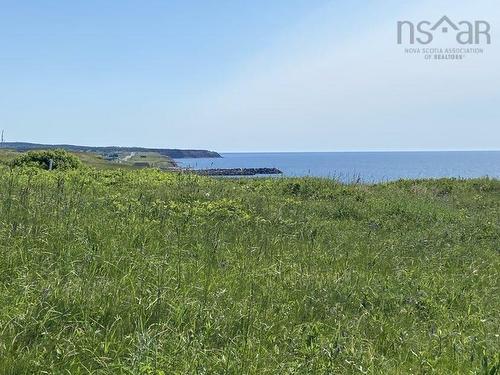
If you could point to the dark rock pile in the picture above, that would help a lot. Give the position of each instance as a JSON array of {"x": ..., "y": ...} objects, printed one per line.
[{"x": 238, "y": 171}]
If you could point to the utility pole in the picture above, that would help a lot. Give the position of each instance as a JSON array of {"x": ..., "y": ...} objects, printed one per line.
[{"x": 2, "y": 140}]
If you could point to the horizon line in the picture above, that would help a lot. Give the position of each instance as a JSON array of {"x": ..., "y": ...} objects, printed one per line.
[
  {"x": 354, "y": 151},
  {"x": 259, "y": 151}
]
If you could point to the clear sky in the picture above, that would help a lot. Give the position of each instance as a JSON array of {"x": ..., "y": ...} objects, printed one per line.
[{"x": 239, "y": 75}]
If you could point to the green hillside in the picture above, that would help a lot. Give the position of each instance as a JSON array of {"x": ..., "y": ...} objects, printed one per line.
[{"x": 113, "y": 160}]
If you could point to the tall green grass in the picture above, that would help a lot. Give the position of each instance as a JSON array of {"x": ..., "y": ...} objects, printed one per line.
[{"x": 143, "y": 272}]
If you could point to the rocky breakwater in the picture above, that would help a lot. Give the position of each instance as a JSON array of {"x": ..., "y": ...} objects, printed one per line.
[{"x": 238, "y": 171}]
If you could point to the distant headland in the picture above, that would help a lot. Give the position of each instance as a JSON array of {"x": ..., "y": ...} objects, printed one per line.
[{"x": 171, "y": 153}]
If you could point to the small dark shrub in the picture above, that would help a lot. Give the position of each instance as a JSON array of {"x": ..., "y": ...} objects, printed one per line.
[{"x": 61, "y": 160}]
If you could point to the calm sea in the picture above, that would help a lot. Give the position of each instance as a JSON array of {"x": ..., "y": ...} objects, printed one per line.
[{"x": 367, "y": 166}]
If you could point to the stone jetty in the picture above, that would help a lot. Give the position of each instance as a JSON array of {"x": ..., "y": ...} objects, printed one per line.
[{"x": 238, "y": 171}]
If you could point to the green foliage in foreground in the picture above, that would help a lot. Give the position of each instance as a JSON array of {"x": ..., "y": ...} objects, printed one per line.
[
  {"x": 61, "y": 160},
  {"x": 143, "y": 272}
]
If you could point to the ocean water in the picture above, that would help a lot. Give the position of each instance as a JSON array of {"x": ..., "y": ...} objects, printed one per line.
[{"x": 364, "y": 166}]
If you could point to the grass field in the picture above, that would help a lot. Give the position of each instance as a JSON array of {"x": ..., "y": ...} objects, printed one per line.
[
  {"x": 152, "y": 159},
  {"x": 145, "y": 272},
  {"x": 127, "y": 161}
]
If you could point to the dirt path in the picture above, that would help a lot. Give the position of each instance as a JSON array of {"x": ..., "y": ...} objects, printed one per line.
[{"x": 128, "y": 157}]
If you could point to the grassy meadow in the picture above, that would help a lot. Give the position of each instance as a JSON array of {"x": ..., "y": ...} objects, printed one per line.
[
  {"x": 124, "y": 160},
  {"x": 147, "y": 272}
]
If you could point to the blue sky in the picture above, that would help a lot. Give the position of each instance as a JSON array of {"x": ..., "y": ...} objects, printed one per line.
[{"x": 281, "y": 75}]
